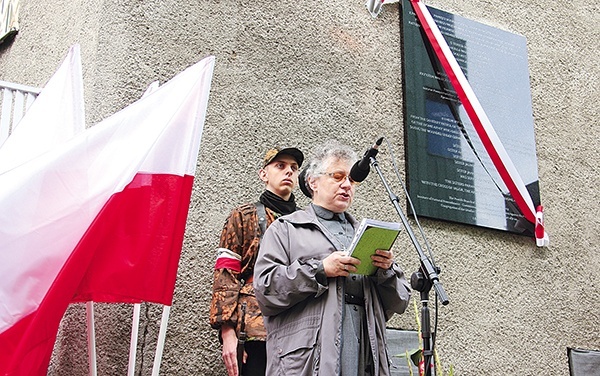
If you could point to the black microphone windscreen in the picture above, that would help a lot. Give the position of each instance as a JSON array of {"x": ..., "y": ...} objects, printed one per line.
[{"x": 358, "y": 173}]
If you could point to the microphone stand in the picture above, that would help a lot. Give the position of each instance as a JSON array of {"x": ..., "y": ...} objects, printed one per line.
[{"x": 421, "y": 280}]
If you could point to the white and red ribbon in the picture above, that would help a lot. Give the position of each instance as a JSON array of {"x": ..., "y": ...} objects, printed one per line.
[
  {"x": 509, "y": 174},
  {"x": 541, "y": 237}
]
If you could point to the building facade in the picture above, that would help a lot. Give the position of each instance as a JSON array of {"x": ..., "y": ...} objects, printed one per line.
[{"x": 296, "y": 73}]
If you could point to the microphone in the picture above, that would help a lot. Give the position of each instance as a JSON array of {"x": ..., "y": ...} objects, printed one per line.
[{"x": 361, "y": 168}]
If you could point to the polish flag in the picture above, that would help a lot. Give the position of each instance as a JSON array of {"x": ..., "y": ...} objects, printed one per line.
[
  {"x": 55, "y": 117},
  {"x": 101, "y": 217}
]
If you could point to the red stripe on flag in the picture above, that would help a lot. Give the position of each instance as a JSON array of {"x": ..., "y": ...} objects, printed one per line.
[
  {"x": 138, "y": 238},
  {"x": 27, "y": 345},
  {"x": 129, "y": 253}
]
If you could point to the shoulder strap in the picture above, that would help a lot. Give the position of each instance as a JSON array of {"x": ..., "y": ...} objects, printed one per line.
[
  {"x": 261, "y": 213},
  {"x": 262, "y": 217}
]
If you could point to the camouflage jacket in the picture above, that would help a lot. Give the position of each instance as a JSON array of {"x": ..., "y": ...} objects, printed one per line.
[{"x": 234, "y": 268}]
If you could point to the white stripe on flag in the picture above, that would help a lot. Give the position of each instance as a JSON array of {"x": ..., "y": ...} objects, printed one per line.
[{"x": 55, "y": 117}]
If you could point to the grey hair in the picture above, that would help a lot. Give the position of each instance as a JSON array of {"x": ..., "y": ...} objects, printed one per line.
[{"x": 329, "y": 150}]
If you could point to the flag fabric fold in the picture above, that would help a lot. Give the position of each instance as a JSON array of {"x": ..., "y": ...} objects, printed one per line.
[
  {"x": 37, "y": 132},
  {"x": 101, "y": 217}
]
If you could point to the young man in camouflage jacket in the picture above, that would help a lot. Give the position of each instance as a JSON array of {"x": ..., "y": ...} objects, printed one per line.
[{"x": 234, "y": 309}]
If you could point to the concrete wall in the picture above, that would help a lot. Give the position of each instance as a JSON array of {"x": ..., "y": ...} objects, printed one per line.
[{"x": 297, "y": 72}]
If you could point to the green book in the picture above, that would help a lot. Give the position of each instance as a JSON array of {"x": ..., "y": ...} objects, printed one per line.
[{"x": 370, "y": 236}]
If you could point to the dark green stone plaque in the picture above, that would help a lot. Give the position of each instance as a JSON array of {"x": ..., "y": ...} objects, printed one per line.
[{"x": 449, "y": 173}]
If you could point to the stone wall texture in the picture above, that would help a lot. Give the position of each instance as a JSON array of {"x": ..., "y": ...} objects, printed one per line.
[{"x": 298, "y": 72}]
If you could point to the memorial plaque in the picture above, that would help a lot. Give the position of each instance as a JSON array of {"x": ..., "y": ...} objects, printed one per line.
[{"x": 449, "y": 173}]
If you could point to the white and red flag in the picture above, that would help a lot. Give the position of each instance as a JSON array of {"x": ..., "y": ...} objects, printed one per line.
[{"x": 101, "y": 217}]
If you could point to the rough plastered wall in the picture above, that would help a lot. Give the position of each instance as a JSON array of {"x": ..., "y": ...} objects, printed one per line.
[{"x": 298, "y": 72}]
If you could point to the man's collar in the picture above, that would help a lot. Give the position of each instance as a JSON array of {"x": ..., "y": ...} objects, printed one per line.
[{"x": 327, "y": 214}]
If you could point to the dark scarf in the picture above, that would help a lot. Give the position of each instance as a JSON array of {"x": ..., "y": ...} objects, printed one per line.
[{"x": 277, "y": 204}]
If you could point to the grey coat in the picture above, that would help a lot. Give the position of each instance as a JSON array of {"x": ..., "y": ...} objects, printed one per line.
[{"x": 302, "y": 308}]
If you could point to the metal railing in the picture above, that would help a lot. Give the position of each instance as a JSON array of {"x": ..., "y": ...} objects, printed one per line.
[{"x": 15, "y": 100}]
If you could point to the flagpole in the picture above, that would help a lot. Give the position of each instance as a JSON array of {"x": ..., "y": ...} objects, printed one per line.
[
  {"x": 135, "y": 325},
  {"x": 160, "y": 343},
  {"x": 89, "y": 310}
]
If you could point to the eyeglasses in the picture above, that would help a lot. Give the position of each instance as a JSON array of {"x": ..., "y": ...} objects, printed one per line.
[{"x": 339, "y": 177}]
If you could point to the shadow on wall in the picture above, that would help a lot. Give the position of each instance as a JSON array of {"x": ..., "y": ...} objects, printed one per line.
[
  {"x": 400, "y": 342},
  {"x": 583, "y": 362}
]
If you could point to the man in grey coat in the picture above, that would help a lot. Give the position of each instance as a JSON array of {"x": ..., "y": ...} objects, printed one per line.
[{"x": 320, "y": 318}]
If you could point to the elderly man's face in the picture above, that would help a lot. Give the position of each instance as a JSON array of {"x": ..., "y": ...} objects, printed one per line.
[{"x": 333, "y": 189}]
